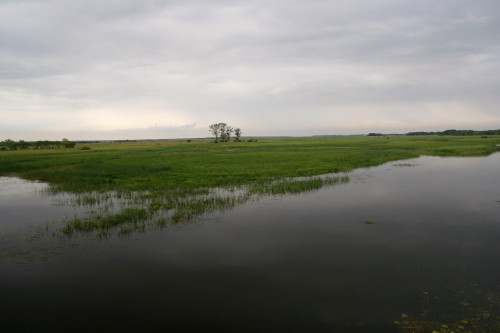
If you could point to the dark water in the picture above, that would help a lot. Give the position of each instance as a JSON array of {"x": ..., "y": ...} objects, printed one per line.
[{"x": 303, "y": 263}]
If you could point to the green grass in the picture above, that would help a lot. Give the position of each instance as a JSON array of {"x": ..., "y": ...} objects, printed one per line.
[
  {"x": 169, "y": 165},
  {"x": 175, "y": 177}
]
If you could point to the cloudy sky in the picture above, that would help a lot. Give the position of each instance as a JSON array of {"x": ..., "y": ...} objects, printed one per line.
[{"x": 128, "y": 69}]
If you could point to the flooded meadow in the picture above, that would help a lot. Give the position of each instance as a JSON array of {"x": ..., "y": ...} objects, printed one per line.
[{"x": 406, "y": 246}]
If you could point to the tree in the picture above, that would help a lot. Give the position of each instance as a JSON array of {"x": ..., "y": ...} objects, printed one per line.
[
  {"x": 68, "y": 144},
  {"x": 226, "y": 133},
  {"x": 11, "y": 145},
  {"x": 237, "y": 135},
  {"x": 221, "y": 131},
  {"x": 215, "y": 130},
  {"x": 23, "y": 144}
]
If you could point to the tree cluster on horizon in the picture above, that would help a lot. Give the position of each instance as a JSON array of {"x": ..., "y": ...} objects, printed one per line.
[
  {"x": 446, "y": 132},
  {"x": 45, "y": 144},
  {"x": 458, "y": 132}
]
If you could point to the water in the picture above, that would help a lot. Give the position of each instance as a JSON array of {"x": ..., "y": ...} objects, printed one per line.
[{"x": 302, "y": 263}]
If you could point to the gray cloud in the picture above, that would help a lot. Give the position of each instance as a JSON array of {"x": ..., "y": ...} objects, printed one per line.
[{"x": 270, "y": 67}]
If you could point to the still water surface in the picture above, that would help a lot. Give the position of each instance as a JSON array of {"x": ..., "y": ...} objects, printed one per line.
[{"x": 301, "y": 263}]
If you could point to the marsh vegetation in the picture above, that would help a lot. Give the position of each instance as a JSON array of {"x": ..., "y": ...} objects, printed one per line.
[{"x": 156, "y": 182}]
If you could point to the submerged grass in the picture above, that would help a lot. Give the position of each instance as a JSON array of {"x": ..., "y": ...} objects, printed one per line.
[
  {"x": 172, "y": 180},
  {"x": 160, "y": 209}
]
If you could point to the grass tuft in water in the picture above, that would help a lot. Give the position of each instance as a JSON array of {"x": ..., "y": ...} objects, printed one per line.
[
  {"x": 297, "y": 186},
  {"x": 103, "y": 224}
]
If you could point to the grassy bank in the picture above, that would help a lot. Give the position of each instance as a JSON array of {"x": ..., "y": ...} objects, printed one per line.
[
  {"x": 174, "y": 178},
  {"x": 186, "y": 165}
]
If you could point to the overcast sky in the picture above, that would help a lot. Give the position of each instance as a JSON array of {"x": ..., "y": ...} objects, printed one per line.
[{"x": 129, "y": 69}]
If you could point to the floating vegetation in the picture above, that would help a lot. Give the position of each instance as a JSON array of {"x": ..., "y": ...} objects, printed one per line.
[
  {"x": 370, "y": 222},
  {"x": 403, "y": 165},
  {"x": 470, "y": 309}
]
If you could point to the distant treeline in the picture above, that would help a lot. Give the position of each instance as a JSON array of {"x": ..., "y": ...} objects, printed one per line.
[
  {"x": 458, "y": 132},
  {"x": 447, "y": 132},
  {"x": 21, "y": 144}
]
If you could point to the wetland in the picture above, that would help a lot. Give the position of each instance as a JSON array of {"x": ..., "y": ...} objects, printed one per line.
[{"x": 281, "y": 235}]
